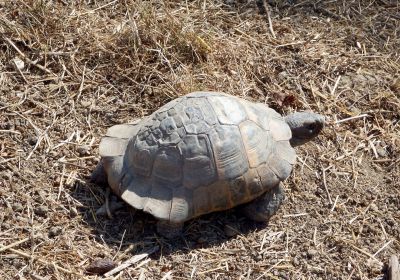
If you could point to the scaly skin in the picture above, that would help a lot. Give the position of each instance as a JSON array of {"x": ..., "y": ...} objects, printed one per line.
[
  {"x": 264, "y": 207},
  {"x": 99, "y": 175}
]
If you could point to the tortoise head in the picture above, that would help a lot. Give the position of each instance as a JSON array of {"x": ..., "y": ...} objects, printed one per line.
[{"x": 305, "y": 126}]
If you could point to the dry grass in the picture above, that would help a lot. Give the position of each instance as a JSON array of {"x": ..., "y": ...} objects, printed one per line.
[{"x": 91, "y": 64}]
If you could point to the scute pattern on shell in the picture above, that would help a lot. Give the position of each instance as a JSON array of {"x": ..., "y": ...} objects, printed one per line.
[{"x": 201, "y": 153}]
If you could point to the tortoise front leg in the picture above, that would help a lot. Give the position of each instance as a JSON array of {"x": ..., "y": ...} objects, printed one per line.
[
  {"x": 99, "y": 175},
  {"x": 169, "y": 229},
  {"x": 264, "y": 207}
]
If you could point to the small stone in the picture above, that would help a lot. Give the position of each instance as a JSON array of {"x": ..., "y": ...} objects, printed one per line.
[
  {"x": 55, "y": 231},
  {"x": 283, "y": 275},
  {"x": 17, "y": 207},
  {"x": 53, "y": 153},
  {"x": 284, "y": 75},
  {"x": 101, "y": 266},
  {"x": 396, "y": 86},
  {"x": 86, "y": 103},
  {"x": 32, "y": 140},
  {"x": 18, "y": 263},
  {"x": 374, "y": 207},
  {"x": 311, "y": 253},
  {"x": 346, "y": 82},
  {"x": 381, "y": 152},
  {"x": 40, "y": 237},
  {"x": 73, "y": 212},
  {"x": 41, "y": 210},
  {"x": 18, "y": 63},
  {"x": 7, "y": 175},
  {"x": 258, "y": 257},
  {"x": 83, "y": 150}
]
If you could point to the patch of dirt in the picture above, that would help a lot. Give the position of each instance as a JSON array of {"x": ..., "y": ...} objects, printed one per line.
[{"x": 71, "y": 69}]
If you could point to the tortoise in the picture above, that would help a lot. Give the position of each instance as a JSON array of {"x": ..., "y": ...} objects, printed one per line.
[{"x": 204, "y": 152}]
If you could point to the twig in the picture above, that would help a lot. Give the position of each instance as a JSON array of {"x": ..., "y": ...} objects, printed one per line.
[
  {"x": 269, "y": 269},
  {"x": 263, "y": 241},
  {"x": 4, "y": 248},
  {"x": 371, "y": 144},
  {"x": 131, "y": 261},
  {"x": 210, "y": 270},
  {"x": 98, "y": 8},
  {"x": 383, "y": 247},
  {"x": 335, "y": 86},
  {"x": 38, "y": 277},
  {"x": 325, "y": 185},
  {"x": 9, "y": 131},
  {"x": 295, "y": 215},
  {"x": 41, "y": 67},
  {"x": 291, "y": 44},
  {"x": 271, "y": 28},
  {"x": 304, "y": 163},
  {"x": 25, "y": 255},
  {"x": 352, "y": 118},
  {"x": 362, "y": 251},
  {"x": 351, "y": 274},
  {"x": 167, "y": 275},
  {"x": 82, "y": 82},
  {"x": 334, "y": 204}
]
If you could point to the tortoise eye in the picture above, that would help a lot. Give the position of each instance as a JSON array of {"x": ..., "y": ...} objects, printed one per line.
[{"x": 311, "y": 127}]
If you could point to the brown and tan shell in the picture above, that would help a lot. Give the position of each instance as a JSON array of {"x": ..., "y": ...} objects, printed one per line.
[{"x": 199, "y": 153}]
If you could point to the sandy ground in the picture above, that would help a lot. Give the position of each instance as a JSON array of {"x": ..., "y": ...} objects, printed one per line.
[{"x": 71, "y": 69}]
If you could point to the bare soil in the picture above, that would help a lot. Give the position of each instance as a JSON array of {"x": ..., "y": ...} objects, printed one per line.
[{"x": 71, "y": 69}]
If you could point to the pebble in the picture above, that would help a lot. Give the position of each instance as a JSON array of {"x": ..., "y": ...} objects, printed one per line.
[
  {"x": 18, "y": 263},
  {"x": 396, "y": 86},
  {"x": 32, "y": 140},
  {"x": 73, "y": 212},
  {"x": 83, "y": 150},
  {"x": 55, "y": 231},
  {"x": 101, "y": 266},
  {"x": 381, "y": 152},
  {"x": 18, "y": 63},
  {"x": 258, "y": 257},
  {"x": 17, "y": 207},
  {"x": 374, "y": 207},
  {"x": 311, "y": 253},
  {"x": 86, "y": 103},
  {"x": 41, "y": 210},
  {"x": 53, "y": 153},
  {"x": 7, "y": 175},
  {"x": 283, "y": 275}
]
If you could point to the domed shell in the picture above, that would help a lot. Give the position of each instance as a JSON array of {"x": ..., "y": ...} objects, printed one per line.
[{"x": 199, "y": 153}]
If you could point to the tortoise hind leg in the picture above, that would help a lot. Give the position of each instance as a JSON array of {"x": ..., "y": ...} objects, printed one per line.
[
  {"x": 169, "y": 229},
  {"x": 264, "y": 207}
]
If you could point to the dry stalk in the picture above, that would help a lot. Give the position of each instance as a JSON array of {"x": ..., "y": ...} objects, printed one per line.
[
  {"x": 33, "y": 258},
  {"x": 14, "y": 244},
  {"x": 132, "y": 261},
  {"x": 41, "y": 67},
  {"x": 93, "y": 64}
]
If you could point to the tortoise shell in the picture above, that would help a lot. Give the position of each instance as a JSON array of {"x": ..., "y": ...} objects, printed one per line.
[{"x": 199, "y": 153}]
